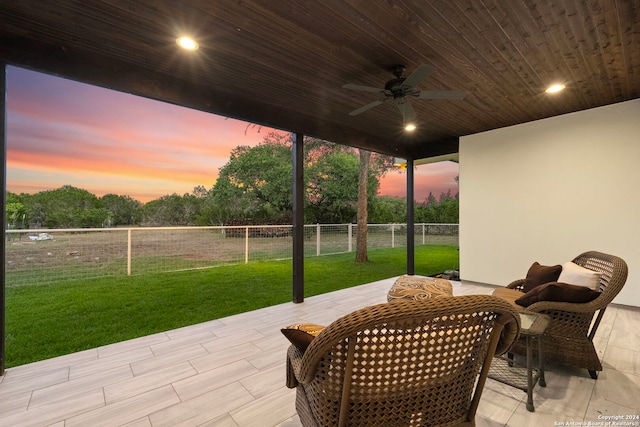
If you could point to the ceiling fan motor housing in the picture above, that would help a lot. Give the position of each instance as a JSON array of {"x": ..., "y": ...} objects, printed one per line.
[{"x": 395, "y": 87}]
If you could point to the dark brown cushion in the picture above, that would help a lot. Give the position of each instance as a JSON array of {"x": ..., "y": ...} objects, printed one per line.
[
  {"x": 301, "y": 334},
  {"x": 541, "y": 274},
  {"x": 561, "y": 292}
]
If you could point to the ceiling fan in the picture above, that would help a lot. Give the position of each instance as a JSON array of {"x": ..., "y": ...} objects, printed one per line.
[{"x": 400, "y": 88}]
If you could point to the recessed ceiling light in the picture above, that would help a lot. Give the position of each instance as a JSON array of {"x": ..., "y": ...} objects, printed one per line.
[
  {"x": 555, "y": 88},
  {"x": 410, "y": 127},
  {"x": 187, "y": 43}
]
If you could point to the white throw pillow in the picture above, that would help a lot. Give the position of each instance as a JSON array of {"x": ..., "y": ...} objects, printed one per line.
[{"x": 575, "y": 275}]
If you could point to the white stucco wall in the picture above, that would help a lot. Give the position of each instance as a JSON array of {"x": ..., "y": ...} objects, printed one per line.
[{"x": 548, "y": 190}]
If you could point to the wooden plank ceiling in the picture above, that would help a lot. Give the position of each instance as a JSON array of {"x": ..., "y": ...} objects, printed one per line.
[{"x": 283, "y": 63}]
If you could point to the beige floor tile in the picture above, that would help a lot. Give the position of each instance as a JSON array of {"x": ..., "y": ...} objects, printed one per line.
[
  {"x": 229, "y": 339},
  {"x": 292, "y": 422},
  {"x": 523, "y": 418},
  {"x": 126, "y": 411},
  {"x": 618, "y": 387},
  {"x": 482, "y": 421},
  {"x": 143, "y": 383},
  {"x": 44, "y": 415},
  {"x": 130, "y": 345},
  {"x": 622, "y": 359},
  {"x": 213, "y": 379},
  {"x": 269, "y": 410},
  {"x": 265, "y": 382},
  {"x": 184, "y": 341},
  {"x": 191, "y": 329},
  {"x": 153, "y": 363},
  {"x": 203, "y": 408},
  {"x": 267, "y": 359},
  {"x": 43, "y": 367},
  {"x": 68, "y": 390},
  {"x": 142, "y": 422},
  {"x": 224, "y": 357},
  {"x": 499, "y": 401},
  {"x": 28, "y": 383},
  {"x": 224, "y": 421},
  {"x": 564, "y": 394},
  {"x": 106, "y": 363},
  {"x": 13, "y": 403},
  {"x": 274, "y": 341},
  {"x": 600, "y": 409}
]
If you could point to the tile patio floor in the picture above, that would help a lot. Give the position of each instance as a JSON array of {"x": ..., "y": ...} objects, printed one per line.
[{"x": 230, "y": 372}]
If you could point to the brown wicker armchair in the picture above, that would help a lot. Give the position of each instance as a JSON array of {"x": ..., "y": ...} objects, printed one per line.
[
  {"x": 569, "y": 337},
  {"x": 406, "y": 363}
]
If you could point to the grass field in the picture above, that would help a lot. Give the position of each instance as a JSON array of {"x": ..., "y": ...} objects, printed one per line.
[{"x": 49, "y": 320}]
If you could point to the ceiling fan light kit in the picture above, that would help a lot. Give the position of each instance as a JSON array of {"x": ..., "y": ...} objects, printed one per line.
[{"x": 400, "y": 88}]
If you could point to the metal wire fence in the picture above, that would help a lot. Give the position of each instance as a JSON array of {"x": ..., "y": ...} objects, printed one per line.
[{"x": 46, "y": 256}]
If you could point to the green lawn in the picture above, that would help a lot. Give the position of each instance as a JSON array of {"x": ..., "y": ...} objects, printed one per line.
[{"x": 44, "y": 321}]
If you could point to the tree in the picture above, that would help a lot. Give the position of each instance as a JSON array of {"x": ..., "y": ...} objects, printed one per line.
[
  {"x": 255, "y": 185},
  {"x": 361, "y": 242},
  {"x": 121, "y": 210},
  {"x": 332, "y": 188},
  {"x": 16, "y": 213},
  {"x": 431, "y": 199},
  {"x": 171, "y": 210},
  {"x": 443, "y": 212},
  {"x": 370, "y": 166},
  {"x": 65, "y": 207},
  {"x": 387, "y": 210}
]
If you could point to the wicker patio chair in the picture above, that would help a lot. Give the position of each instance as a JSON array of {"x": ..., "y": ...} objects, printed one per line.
[
  {"x": 569, "y": 337},
  {"x": 406, "y": 363}
]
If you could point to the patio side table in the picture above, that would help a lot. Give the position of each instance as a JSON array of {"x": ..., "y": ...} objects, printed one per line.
[{"x": 507, "y": 371}]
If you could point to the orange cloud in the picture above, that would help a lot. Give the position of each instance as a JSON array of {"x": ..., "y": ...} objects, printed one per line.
[
  {"x": 436, "y": 178},
  {"x": 61, "y": 132}
]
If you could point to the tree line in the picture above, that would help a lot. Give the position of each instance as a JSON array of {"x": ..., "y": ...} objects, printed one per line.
[{"x": 253, "y": 187}]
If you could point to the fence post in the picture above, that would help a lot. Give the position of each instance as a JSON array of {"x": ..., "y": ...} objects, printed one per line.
[
  {"x": 128, "y": 252},
  {"x": 318, "y": 239},
  {"x": 246, "y": 245},
  {"x": 350, "y": 237},
  {"x": 423, "y": 241},
  {"x": 393, "y": 235}
]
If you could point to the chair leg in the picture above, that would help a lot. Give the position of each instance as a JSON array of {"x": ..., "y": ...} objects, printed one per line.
[{"x": 593, "y": 374}]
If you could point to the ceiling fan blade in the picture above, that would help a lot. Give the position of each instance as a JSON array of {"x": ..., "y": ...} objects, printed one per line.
[
  {"x": 440, "y": 94},
  {"x": 406, "y": 109},
  {"x": 364, "y": 88},
  {"x": 366, "y": 107},
  {"x": 420, "y": 73}
]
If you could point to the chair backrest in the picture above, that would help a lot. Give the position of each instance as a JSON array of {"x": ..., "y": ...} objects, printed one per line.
[
  {"x": 407, "y": 362},
  {"x": 614, "y": 273}
]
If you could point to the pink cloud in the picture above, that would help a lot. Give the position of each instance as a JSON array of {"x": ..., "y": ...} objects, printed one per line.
[
  {"x": 63, "y": 132},
  {"x": 436, "y": 178}
]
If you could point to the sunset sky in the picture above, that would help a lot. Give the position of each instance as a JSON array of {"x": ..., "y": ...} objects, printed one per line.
[{"x": 61, "y": 132}]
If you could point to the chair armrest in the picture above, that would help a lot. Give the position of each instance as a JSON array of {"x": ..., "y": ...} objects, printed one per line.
[
  {"x": 517, "y": 284},
  {"x": 294, "y": 363},
  {"x": 510, "y": 321},
  {"x": 584, "y": 307}
]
